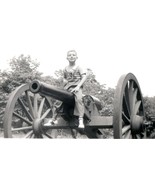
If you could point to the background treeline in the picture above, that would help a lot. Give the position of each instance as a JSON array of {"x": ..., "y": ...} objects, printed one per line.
[{"x": 24, "y": 69}]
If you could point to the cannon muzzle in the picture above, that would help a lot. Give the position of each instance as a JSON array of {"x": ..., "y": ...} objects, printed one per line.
[{"x": 49, "y": 90}]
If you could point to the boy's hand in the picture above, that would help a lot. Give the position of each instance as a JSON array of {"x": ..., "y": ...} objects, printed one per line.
[
  {"x": 76, "y": 89},
  {"x": 65, "y": 81}
]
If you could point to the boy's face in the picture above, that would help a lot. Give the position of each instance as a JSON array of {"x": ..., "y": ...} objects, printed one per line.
[{"x": 71, "y": 56}]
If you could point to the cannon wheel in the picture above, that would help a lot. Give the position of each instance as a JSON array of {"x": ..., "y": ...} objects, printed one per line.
[
  {"x": 128, "y": 109},
  {"x": 24, "y": 114}
]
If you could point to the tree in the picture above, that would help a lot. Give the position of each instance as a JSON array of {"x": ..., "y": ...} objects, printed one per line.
[
  {"x": 149, "y": 106},
  {"x": 22, "y": 70}
]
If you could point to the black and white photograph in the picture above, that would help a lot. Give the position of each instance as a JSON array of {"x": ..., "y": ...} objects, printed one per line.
[{"x": 82, "y": 74}]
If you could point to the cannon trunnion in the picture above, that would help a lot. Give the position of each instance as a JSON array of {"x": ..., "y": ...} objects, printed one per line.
[{"x": 30, "y": 108}]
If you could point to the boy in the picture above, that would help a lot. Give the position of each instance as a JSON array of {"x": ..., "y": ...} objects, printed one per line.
[{"x": 73, "y": 80}]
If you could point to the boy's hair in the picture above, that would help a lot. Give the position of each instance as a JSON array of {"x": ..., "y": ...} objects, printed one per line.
[{"x": 71, "y": 51}]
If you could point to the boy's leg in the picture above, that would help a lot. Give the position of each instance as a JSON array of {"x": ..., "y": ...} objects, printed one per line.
[
  {"x": 79, "y": 107},
  {"x": 56, "y": 107},
  {"x": 81, "y": 124}
]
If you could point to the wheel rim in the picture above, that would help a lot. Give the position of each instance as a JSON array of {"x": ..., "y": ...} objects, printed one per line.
[
  {"x": 25, "y": 113},
  {"x": 128, "y": 109}
]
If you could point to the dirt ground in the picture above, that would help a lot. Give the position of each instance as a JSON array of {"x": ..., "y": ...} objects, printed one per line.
[{"x": 66, "y": 135}]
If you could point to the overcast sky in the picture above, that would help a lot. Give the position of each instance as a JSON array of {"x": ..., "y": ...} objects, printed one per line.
[{"x": 111, "y": 37}]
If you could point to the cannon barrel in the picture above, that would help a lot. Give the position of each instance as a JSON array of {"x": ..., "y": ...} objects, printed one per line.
[{"x": 49, "y": 90}]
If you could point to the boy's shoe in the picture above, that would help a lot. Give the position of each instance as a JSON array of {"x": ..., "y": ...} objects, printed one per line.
[
  {"x": 81, "y": 124},
  {"x": 51, "y": 122}
]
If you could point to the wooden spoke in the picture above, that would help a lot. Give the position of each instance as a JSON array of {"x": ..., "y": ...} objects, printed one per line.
[
  {"x": 128, "y": 135},
  {"x": 29, "y": 103},
  {"x": 36, "y": 105},
  {"x": 25, "y": 109},
  {"x": 126, "y": 99},
  {"x": 29, "y": 134},
  {"x": 22, "y": 128},
  {"x": 136, "y": 108},
  {"x": 41, "y": 107},
  {"x": 134, "y": 97},
  {"x": 22, "y": 118},
  {"x": 47, "y": 135},
  {"x": 125, "y": 118},
  {"x": 131, "y": 85},
  {"x": 138, "y": 136},
  {"x": 126, "y": 107},
  {"x": 125, "y": 129},
  {"x": 131, "y": 96},
  {"x": 32, "y": 136},
  {"x": 45, "y": 114}
]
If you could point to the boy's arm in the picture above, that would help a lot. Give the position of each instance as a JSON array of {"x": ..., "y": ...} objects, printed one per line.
[
  {"x": 64, "y": 81},
  {"x": 64, "y": 78},
  {"x": 84, "y": 77}
]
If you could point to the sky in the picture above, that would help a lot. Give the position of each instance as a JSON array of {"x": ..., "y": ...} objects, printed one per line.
[{"x": 111, "y": 37}]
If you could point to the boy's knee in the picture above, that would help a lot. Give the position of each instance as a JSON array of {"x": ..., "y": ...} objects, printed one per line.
[{"x": 79, "y": 100}]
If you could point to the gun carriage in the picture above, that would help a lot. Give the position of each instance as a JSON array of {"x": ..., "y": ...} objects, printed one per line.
[{"x": 30, "y": 107}]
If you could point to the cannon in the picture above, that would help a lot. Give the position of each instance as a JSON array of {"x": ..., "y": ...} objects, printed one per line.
[{"x": 30, "y": 107}]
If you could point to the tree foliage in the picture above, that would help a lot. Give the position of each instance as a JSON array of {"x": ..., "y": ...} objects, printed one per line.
[
  {"x": 149, "y": 106},
  {"x": 22, "y": 70}
]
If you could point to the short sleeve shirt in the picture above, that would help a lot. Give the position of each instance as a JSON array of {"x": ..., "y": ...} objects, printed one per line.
[{"x": 73, "y": 76}]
